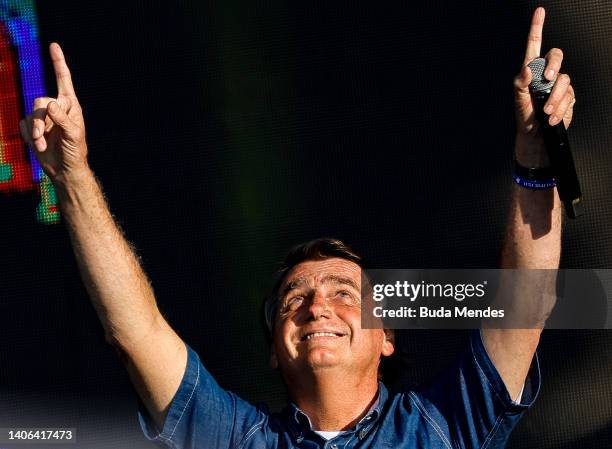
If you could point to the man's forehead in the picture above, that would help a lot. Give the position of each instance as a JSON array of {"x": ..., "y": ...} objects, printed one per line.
[{"x": 323, "y": 270}]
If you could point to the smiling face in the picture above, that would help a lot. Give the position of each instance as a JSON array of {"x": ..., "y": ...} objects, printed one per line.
[{"x": 318, "y": 325}]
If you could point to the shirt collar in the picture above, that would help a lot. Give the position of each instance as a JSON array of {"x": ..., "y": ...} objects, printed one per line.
[{"x": 301, "y": 422}]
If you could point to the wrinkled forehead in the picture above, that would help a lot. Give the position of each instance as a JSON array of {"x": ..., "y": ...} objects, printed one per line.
[
  {"x": 311, "y": 272},
  {"x": 317, "y": 272}
]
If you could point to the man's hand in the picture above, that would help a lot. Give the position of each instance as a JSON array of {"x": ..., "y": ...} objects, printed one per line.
[
  {"x": 56, "y": 130},
  {"x": 529, "y": 142}
]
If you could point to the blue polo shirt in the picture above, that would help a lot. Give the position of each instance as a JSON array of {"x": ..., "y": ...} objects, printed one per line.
[{"x": 466, "y": 406}]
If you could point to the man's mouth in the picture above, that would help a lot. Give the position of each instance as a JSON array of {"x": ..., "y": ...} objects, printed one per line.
[{"x": 312, "y": 335}]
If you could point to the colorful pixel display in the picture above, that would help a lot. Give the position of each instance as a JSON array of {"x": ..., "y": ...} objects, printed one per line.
[{"x": 21, "y": 81}]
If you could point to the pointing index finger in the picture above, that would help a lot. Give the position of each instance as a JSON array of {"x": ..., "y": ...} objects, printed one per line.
[
  {"x": 534, "y": 40},
  {"x": 62, "y": 73}
]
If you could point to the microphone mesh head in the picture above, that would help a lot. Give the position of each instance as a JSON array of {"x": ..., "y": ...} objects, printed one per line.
[{"x": 538, "y": 82}]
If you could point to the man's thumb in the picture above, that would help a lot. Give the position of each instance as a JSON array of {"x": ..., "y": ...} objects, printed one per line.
[{"x": 56, "y": 114}]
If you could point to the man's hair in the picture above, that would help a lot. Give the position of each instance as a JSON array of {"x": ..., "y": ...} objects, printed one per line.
[{"x": 317, "y": 249}]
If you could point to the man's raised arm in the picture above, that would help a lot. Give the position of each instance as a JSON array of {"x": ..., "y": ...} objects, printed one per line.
[
  {"x": 118, "y": 287},
  {"x": 533, "y": 236}
]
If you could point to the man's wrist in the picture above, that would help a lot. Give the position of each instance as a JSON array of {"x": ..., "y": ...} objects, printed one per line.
[
  {"x": 530, "y": 152},
  {"x": 75, "y": 190},
  {"x": 74, "y": 178}
]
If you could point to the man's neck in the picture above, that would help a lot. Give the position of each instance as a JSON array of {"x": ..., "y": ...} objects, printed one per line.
[{"x": 334, "y": 402}]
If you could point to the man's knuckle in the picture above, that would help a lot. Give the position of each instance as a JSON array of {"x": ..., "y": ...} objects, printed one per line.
[
  {"x": 556, "y": 52},
  {"x": 565, "y": 79},
  {"x": 534, "y": 37}
]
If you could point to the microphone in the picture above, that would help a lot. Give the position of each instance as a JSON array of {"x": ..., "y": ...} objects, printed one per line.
[{"x": 556, "y": 142}]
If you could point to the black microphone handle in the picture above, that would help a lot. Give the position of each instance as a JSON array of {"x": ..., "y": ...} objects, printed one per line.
[{"x": 560, "y": 155}]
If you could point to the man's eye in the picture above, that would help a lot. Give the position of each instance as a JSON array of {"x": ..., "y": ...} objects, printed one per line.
[
  {"x": 345, "y": 296},
  {"x": 293, "y": 302}
]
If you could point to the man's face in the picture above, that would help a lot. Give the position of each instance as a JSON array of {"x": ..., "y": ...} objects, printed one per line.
[{"x": 318, "y": 324}]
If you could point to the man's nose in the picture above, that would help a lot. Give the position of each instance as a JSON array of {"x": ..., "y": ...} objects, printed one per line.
[{"x": 319, "y": 305}]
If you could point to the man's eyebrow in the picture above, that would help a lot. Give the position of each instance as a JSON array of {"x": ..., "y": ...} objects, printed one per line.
[
  {"x": 333, "y": 278},
  {"x": 295, "y": 283},
  {"x": 330, "y": 278}
]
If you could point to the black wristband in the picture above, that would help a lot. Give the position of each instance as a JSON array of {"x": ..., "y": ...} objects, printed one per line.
[{"x": 543, "y": 173}]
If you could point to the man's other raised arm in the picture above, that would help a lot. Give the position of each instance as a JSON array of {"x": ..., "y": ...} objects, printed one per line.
[
  {"x": 533, "y": 235},
  {"x": 118, "y": 287}
]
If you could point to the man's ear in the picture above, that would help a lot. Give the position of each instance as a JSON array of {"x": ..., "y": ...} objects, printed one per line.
[
  {"x": 389, "y": 342},
  {"x": 273, "y": 359}
]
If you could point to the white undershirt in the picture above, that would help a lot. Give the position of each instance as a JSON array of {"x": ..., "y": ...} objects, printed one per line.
[
  {"x": 328, "y": 434},
  {"x": 520, "y": 396}
]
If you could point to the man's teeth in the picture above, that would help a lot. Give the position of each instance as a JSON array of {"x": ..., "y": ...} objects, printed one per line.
[{"x": 320, "y": 334}]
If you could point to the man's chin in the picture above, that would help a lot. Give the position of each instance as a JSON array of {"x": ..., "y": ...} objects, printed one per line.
[{"x": 322, "y": 358}]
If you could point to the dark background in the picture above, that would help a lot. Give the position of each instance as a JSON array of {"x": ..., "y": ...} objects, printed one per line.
[{"x": 223, "y": 133}]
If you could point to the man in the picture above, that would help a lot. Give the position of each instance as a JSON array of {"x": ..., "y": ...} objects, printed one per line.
[{"x": 330, "y": 364}]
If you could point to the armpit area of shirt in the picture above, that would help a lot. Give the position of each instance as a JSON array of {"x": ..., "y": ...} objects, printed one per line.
[{"x": 531, "y": 386}]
